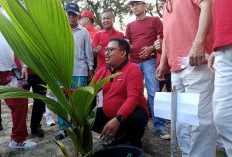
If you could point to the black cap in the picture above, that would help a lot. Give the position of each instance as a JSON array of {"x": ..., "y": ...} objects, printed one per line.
[{"x": 72, "y": 7}]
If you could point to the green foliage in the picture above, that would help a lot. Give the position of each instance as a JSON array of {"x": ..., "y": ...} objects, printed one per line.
[
  {"x": 119, "y": 7},
  {"x": 41, "y": 37}
]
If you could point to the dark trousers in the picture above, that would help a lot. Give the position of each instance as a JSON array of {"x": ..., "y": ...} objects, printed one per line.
[
  {"x": 166, "y": 82},
  {"x": 34, "y": 81},
  {"x": 133, "y": 126}
]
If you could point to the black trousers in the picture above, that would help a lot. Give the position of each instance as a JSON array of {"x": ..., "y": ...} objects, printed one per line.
[
  {"x": 166, "y": 82},
  {"x": 133, "y": 126},
  {"x": 34, "y": 81}
]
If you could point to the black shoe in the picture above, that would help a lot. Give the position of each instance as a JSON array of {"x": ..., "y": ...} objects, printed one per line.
[
  {"x": 1, "y": 128},
  {"x": 61, "y": 135},
  {"x": 37, "y": 133}
]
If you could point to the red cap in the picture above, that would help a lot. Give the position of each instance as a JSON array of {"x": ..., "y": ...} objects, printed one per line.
[{"x": 87, "y": 14}]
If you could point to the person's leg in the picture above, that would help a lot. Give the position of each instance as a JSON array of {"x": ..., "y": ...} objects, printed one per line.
[
  {"x": 100, "y": 121},
  {"x": 161, "y": 85},
  {"x": 222, "y": 100},
  {"x": 135, "y": 126},
  {"x": 182, "y": 130},
  {"x": 48, "y": 113},
  {"x": 168, "y": 82},
  {"x": 200, "y": 80},
  {"x": 79, "y": 81},
  {"x": 19, "y": 109},
  {"x": 152, "y": 84},
  {"x": 38, "y": 106},
  {"x": 19, "y": 133}
]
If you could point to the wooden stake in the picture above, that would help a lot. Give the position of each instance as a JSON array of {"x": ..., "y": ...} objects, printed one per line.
[{"x": 173, "y": 122}]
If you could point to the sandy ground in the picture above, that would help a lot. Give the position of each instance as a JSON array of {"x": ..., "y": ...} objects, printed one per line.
[{"x": 152, "y": 144}]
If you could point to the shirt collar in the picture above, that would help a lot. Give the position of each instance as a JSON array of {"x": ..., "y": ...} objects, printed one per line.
[
  {"x": 78, "y": 27},
  {"x": 104, "y": 30},
  {"x": 119, "y": 67},
  {"x": 90, "y": 28}
]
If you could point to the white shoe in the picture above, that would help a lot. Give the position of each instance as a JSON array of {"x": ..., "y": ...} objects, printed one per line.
[
  {"x": 48, "y": 116},
  {"x": 22, "y": 145},
  {"x": 50, "y": 122}
]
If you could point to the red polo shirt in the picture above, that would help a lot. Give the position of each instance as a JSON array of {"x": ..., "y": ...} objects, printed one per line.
[
  {"x": 222, "y": 12},
  {"x": 143, "y": 33},
  {"x": 104, "y": 37},
  {"x": 92, "y": 31},
  {"x": 123, "y": 93}
]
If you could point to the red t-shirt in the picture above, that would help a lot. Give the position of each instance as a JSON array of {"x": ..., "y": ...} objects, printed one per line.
[
  {"x": 104, "y": 37},
  {"x": 92, "y": 31},
  {"x": 180, "y": 29},
  {"x": 222, "y": 12},
  {"x": 124, "y": 93},
  {"x": 143, "y": 33}
]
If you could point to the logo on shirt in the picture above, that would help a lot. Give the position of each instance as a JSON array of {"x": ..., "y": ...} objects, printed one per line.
[{"x": 119, "y": 79}]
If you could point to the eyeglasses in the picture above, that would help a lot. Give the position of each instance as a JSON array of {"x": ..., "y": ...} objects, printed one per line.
[
  {"x": 110, "y": 49},
  {"x": 167, "y": 6},
  {"x": 134, "y": 4}
]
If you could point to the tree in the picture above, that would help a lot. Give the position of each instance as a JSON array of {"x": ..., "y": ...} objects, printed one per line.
[
  {"x": 118, "y": 7},
  {"x": 155, "y": 8}
]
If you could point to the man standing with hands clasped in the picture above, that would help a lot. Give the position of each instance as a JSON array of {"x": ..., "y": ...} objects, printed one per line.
[{"x": 141, "y": 34}]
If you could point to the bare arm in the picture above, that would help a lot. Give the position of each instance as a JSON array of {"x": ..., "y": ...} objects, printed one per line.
[
  {"x": 162, "y": 67},
  {"x": 197, "y": 52}
]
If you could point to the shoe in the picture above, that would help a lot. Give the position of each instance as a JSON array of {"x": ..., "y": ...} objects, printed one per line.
[
  {"x": 164, "y": 134},
  {"x": 49, "y": 120},
  {"x": 61, "y": 135},
  {"x": 1, "y": 128},
  {"x": 22, "y": 145},
  {"x": 52, "y": 124},
  {"x": 37, "y": 133}
]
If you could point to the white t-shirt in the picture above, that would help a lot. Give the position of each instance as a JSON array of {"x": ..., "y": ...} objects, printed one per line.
[{"x": 6, "y": 53}]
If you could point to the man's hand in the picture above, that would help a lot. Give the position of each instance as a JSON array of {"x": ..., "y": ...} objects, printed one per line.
[
  {"x": 90, "y": 75},
  {"x": 158, "y": 43},
  {"x": 110, "y": 130},
  {"x": 99, "y": 47},
  {"x": 97, "y": 50},
  {"x": 160, "y": 73},
  {"x": 24, "y": 74},
  {"x": 197, "y": 54},
  {"x": 211, "y": 62},
  {"x": 147, "y": 50}
]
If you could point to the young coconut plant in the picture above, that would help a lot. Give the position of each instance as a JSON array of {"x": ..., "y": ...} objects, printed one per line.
[{"x": 41, "y": 37}]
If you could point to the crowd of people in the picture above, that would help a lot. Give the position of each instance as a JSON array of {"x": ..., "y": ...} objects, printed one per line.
[{"x": 190, "y": 49}]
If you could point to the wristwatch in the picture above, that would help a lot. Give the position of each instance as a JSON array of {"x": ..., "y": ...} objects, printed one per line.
[
  {"x": 24, "y": 66},
  {"x": 119, "y": 118}
]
